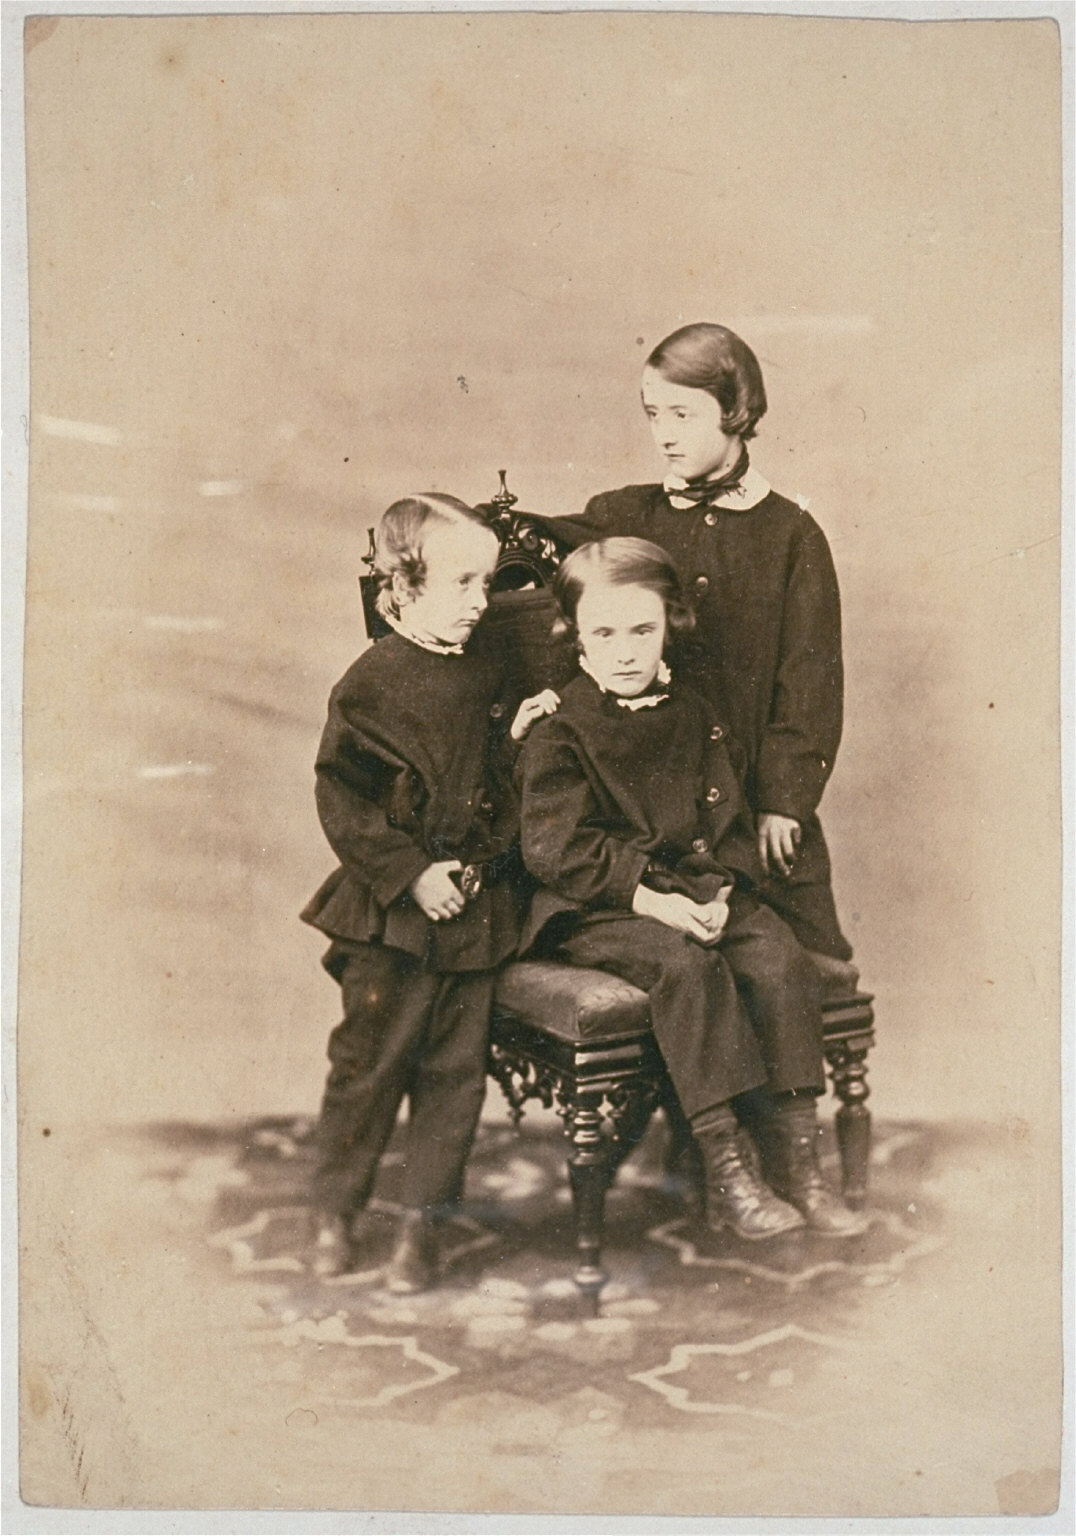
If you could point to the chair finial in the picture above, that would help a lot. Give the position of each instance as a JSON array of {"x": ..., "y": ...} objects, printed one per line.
[{"x": 504, "y": 501}]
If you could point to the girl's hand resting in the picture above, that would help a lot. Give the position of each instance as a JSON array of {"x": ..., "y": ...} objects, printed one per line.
[
  {"x": 778, "y": 842},
  {"x": 437, "y": 893},
  {"x": 717, "y": 913},
  {"x": 532, "y": 710},
  {"x": 702, "y": 921}
]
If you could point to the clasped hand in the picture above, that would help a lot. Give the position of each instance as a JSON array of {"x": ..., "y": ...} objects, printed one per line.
[
  {"x": 437, "y": 893},
  {"x": 434, "y": 890},
  {"x": 702, "y": 921}
]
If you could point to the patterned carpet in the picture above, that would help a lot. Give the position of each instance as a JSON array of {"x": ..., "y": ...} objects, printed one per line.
[{"x": 690, "y": 1324}]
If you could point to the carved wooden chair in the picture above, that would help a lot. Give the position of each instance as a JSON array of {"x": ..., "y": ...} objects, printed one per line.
[{"x": 579, "y": 1040}]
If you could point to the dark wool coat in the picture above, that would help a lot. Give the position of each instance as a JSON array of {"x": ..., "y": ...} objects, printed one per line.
[
  {"x": 415, "y": 767},
  {"x": 613, "y": 796},
  {"x": 766, "y": 649}
]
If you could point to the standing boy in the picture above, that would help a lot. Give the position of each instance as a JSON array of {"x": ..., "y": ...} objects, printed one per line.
[{"x": 414, "y": 795}]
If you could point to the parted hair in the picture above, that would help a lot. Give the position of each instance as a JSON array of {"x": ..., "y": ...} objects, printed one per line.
[
  {"x": 710, "y": 357},
  {"x": 400, "y": 539},
  {"x": 620, "y": 562}
]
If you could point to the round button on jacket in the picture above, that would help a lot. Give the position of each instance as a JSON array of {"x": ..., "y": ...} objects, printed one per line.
[
  {"x": 716, "y": 733},
  {"x": 702, "y": 584},
  {"x": 713, "y": 794},
  {"x": 710, "y": 519},
  {"x": 700, "y": 845},
  {"x": 496, "y": 711}
]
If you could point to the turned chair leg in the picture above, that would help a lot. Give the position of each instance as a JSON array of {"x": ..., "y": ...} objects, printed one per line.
[
  {"x": 848, "y": 1067},
  {"x": 588, "y": 1171}
]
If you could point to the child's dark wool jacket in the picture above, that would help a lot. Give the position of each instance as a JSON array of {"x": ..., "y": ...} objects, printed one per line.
[
  {"x": 766, "y": 649},
  {"x": 414, "y": 767},
  {"x": 614, "y": 796}
]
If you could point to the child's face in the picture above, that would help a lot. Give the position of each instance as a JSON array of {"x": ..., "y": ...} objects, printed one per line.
[
  {"x": 686, "y": 424},
  {"x": 460, "y": 560},
  {"x": 622, "y": 635}
]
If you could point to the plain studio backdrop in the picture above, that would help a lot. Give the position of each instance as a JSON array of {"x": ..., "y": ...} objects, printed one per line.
[{"x": 286, "y": 268}]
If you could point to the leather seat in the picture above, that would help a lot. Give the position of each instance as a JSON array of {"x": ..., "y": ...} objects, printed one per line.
[{"x": 571, "y": 1002}]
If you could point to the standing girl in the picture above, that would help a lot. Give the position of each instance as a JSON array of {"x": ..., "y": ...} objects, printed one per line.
[{"x": 766, "y": 648}]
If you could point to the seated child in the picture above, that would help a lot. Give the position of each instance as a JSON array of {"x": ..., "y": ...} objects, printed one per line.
[
  {"x": 633, "y": 820},
  {"x": 766, "y": 648},
  {"x": 414, "y": 794}
]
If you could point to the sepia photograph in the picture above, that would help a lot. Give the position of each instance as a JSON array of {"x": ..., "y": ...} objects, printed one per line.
[{"x": 533, "y": 718}]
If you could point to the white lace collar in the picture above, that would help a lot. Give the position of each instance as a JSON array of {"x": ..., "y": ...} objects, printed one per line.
[
  {"x": 426, "y": 642},
  {"x": 663, "y": 677}
]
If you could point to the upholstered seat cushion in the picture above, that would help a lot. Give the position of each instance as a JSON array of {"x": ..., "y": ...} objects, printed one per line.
[
  {"x": 570, "y": 1001},
  {"x": 574, "y": 1003}
]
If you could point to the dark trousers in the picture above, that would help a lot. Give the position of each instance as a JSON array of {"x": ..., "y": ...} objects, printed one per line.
[
  {"x": 741, "y": 1014},
  {"x": 805, "y": 897},
  {"x": 406, "y": 1031}
]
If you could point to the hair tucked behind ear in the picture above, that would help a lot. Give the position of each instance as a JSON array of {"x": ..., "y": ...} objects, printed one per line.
[
  {"x": 709, "y": 357},
  {"x": 400, "y": 538},
  {"x": 620, "y": 562}
]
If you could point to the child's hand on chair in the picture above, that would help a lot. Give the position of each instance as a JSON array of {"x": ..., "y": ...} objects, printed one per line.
[{"x": 532, "y": 710}]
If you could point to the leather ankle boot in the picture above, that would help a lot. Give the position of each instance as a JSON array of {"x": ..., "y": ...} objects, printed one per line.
[
  {"x": 735, "y": 1196},
  {"x": 793, "y": 1169},
  {"x": 413, "y": 1266}
]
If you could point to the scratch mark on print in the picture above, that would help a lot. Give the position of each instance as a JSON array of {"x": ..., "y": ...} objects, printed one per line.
[
  {"x": 76, "y": 1444},
  {"x": 174, "y": 770},
  {"x": 222, "y": 487},
  {"x": 79, "y": 431},
  {"x": 1018, "y": 554}
]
